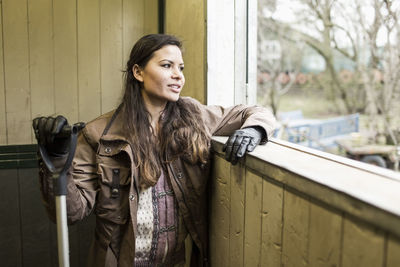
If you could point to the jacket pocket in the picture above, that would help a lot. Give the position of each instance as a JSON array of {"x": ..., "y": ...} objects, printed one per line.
[
  {"x": 112, "y": 199},
  {"x": 114, "y": 182}
]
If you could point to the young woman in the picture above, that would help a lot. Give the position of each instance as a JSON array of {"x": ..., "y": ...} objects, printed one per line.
[{"x": 143, "y": 167}]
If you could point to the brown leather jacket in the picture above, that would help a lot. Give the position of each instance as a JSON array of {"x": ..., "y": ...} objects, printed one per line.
[{"x": 103, "y": 177}]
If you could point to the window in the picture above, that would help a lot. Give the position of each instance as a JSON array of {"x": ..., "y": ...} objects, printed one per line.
[{"x": 330, "y": 72}]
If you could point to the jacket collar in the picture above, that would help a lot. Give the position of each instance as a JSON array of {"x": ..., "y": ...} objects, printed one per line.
[{"x": 114, "y": 130}]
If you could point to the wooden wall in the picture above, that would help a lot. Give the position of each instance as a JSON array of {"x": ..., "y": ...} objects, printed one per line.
[
  {"x": 260, "y": 218},
  {"x": 65, "y": 57},
  {"x": 28, "y": 238},
  {"x": 186, "y": 20}
]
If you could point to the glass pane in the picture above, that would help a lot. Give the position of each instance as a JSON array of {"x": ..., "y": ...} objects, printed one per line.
[{"x": 330, "y": 71}]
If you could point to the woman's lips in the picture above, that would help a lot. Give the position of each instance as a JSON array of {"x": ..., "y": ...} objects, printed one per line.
[{"x": 175, "y": 87}]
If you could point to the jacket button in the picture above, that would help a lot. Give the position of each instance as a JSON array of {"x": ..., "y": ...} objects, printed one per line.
[
  {"x": 107, "y": 150},
  {"x": 179, "y": 175},
  {"x": 115, "y": 191},
  {"x": 131, "y": 197}
]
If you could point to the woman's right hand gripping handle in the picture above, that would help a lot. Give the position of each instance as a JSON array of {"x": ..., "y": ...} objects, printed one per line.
[{"x": 51, "y": 135}]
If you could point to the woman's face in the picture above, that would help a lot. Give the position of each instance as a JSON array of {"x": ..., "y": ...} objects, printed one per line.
[{"x": 162, "y": 77}]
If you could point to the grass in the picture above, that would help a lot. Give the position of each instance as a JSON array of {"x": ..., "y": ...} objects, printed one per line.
[{"x": 312, "y": 104}]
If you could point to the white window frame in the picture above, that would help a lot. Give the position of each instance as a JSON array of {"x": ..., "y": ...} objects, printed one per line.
[{"x": 231, "y": 52}]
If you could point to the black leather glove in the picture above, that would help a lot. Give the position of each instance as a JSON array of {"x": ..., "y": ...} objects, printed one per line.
[
  {"x": 48, "y": 134},
  {"x": 242, "y": 140}
]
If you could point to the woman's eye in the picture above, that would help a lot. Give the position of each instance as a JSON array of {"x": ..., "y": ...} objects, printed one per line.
[
  {"x": 181, "y": 68},
  {"x": 166, "y": 65}
]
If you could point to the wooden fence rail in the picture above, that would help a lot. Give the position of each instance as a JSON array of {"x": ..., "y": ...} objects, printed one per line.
[{"x": 288, "y": 206}]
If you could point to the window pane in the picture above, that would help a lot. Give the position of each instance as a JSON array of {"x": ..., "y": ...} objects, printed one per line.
[{"x": 330, "y": 71}]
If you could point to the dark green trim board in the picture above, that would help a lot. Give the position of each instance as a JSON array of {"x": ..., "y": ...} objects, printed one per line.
[
  {"x": 161, "y": 16},
  {"x": 27, "y": 237},
  {"x": 18, "y": 156}
]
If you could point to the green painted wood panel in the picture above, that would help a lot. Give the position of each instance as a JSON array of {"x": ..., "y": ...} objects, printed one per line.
[
  {"x": 133, "y": 25},
  {"x": 65, "y": 59},
  {"x": 86, "y": 236},
  {"x": 16, "y": 71},
  {"x": 192, "y": 14},
  {"x": 41, "y": 57},
  {"x": 34, "y": 221},
  {"x": 220, "y": 213},
  {"x": 10, "y": 230},
  {"x": 111, "y": 49},
  {"x": 324, "y": 236},
  {"x": 363, "y": 245},
  {"x": 236, "y": 235},
  {"x": 272, "y": 224},
  {"x": 89, "y": 96},
  {"x": 150, "y": 16},
  {"x": 3, "y": 118},
  {"x": 295, "y": 230},
  {"x": 73, "y": 245},
  {"x": 393, "y": 251},
  {"x": 253, "y": 205}
]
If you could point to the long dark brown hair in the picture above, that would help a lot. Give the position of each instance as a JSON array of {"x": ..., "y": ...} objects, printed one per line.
[{"x": 181, "y": 132}]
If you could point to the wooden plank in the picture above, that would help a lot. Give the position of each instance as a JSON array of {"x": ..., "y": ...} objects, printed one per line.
[
  {"x": 272, "y": 209},
  {"x": 133, "y": 25},
  {"x": 252, "y": 215},
  {"x": 295, "y": 230},
  {"x": 325, "y": 236},
  {"x": 80, "y": 237},
  {"x": 73, "y": 236},
  {"x": 237, "y": 215},
  {"x": 10, "y": 231},
  {"x": 393, "y": 252},
  {"x": 86, "y": 235},
  {"x": 89, "y": 60},
  {"x": 363, "y": 245},
  {"x": 111, "y": 53},
  {"x": 3, "y": 120},
  {"x": 151, "y": 16},
  {"x": 219, "y": 245},
  {"x": 34, "y": 221},
  {"x": 41, "y": 57},
  {"x": 53, "y": 243},
  {"x": 347, "y": 185},
  {"x": 16, "y": 63},
  {"x": 65, "y": 59},
  {"x": 191, "y": 13}
]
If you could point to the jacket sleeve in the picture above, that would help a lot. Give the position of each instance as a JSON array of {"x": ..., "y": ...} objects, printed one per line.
[
  {"x": 224, "y": 121},
  {"x": 82, "y": 183}
]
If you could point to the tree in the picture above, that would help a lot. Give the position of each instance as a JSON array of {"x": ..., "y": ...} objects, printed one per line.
[
  {"x": 277, "y": 71},
  {"x": 364, "y": 32}
]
